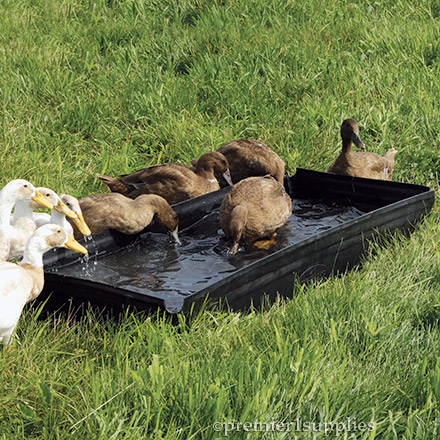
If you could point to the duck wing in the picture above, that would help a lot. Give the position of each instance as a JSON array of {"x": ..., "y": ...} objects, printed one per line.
[
  {"x": 252, "y": 158},
  {"x": 174, "y": 182},
  {"x": 116, "y": 185},
  {"x": 114, "y": 211},
  {"x": 15, "y": 287},
  {"x": 268, "y": 205}
]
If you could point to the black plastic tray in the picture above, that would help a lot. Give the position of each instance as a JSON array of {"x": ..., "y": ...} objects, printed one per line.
[{"x": 375, "y": 208}]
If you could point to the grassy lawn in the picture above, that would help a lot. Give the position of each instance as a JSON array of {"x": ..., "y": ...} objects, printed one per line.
[{"x": 109, "y": 86}]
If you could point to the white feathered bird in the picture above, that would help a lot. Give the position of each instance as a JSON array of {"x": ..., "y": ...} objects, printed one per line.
[
  {"x": 23, "y": 282},
  {"x": 14, "y": 237},
  {"x": 59, "y": 218}
]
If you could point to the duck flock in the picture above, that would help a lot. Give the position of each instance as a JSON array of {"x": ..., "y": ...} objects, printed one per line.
[{"x": 254, "y": 209}]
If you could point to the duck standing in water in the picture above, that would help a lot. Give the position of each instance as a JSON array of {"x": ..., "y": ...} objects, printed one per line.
[
  {"x": 115, "y": 211},
  {"x": 361, "y": 164},
  {"x": 254, "y": 209},
  {"x": 21, "y": 283},
  {"x": 174, "y": 182},
  {"x": 248, "y": 158}
]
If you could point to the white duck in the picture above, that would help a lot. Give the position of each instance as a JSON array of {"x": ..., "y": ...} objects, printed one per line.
[
  {"x": 26, "y": 208},
  {"x": 23, "y": 282},
  {"x": 59, "y": 218},
  {"x": 14, "y": 237},
  {"x": 24, "y": 215}
]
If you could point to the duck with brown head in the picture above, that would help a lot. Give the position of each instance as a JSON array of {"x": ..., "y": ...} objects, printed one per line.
[
  {"x": 118, "y": 212},
  {"x": 173, "y": 181},
  {"x": 249, "y": 157},
  {"x": 360, "y": 163}
]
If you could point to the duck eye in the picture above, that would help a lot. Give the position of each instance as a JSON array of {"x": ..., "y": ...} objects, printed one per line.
[{"x": 25, "y": 185}]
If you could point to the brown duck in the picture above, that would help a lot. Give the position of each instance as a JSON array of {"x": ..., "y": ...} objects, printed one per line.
[
  {"x": 173, "y": 181},
  {"x": 115, "y": 211},
  {"x": 255, "y": 208},
  {"x": 361, "y": 164},
  {"x": 248, "y": 157}
]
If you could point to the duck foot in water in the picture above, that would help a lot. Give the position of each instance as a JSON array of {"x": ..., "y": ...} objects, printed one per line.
[{"x": 266, "y": 244}]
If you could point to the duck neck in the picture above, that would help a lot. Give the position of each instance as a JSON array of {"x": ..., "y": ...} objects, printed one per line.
[
  {"x": 33, "y": 253},
  {"x": 58, "y": 219},
  {"x": 22, "y": 209},
  {"x": 6, "y": 206},
  {"x": 150, "y": 203},
  {"x": 346, "y": 146},
  {"x": 238, "y": 222}
]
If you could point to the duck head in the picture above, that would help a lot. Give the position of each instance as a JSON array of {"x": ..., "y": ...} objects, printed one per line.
[
  {"x": 72, "y": 204},
  {"x": 56, "y": 201},
  {"x": 20, "y": 190},
  {"x": 165, "y": 216},
  {"x": 169, "y": 220},
  {"x": 48, "y": 237},
  {"x": 215, "y": 162},
  {"x": 350, "y": 133}
]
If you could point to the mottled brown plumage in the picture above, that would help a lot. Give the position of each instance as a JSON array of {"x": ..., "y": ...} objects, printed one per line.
[
  {"x": 255, "y": 208},
  {"x": 115, "y": 211},
  {"x": 361, "y": 164},
  {"x": 248, "y": 157},
  {"x": 174, "y": 182}
]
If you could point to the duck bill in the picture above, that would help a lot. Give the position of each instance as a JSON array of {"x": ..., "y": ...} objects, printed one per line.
[
  {"x": 357, "y": 141},
  {"x": 62, "y": 208},
  {"x": 82, "y": 225},
  {"x": 73, "y": 245},
  {"x": 227, "y": 176},
  {"x": 40, "y": 199},
  {"x": 175, "y": 235}
]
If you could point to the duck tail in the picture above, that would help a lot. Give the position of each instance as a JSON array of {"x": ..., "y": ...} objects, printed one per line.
[
  {"x": 114, "y": 185},
  {"x": 390, "y": 155},
  {"x": 193, "y": 165}
]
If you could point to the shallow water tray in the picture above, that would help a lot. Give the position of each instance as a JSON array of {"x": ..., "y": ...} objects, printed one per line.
[{"x": 333, "y": 220}]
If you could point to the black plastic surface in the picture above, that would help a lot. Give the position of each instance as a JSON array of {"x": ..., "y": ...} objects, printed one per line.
[{"x": 333, "y": 218}]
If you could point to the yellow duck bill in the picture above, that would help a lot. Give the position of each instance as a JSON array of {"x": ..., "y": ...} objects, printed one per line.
[
  {"x": 82, "y": 225},
  {"x": 73, "y": 245},
  {"x": 62, "y": 208},
  {"x": 39, "y": 198}
]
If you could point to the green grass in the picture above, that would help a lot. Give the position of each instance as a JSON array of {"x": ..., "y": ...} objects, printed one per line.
[{"x": 107, "y": 87}]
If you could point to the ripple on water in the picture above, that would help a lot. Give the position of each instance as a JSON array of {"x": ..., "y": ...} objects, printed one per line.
[{"x": 157, "y": 264}]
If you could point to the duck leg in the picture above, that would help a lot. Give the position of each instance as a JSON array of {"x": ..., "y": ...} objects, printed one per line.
[{"x": 266, "y": 244}]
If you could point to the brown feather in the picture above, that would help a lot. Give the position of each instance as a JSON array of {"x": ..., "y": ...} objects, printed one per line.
[
  {"x": 361, "y": 164},
  {"x": 174, "y": 182},
  {"x": 249, "y": 157},
  {"x": 115, "y": 211},
  {"x": 255, "y": 208}
]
